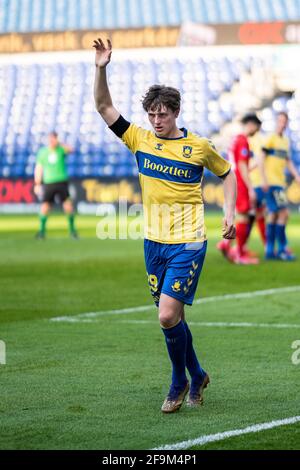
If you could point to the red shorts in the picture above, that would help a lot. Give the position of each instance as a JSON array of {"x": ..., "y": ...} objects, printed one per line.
[{"x": 243, "y": 205}]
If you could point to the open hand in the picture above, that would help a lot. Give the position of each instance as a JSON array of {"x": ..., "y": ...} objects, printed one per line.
[{"x": 103, "y": 54}]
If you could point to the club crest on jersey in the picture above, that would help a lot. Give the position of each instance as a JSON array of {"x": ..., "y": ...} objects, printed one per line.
[
  {"x": 187, "y": 151},
  {"x": 158, "y": 146},
  {"x": 176, "y": 286}
]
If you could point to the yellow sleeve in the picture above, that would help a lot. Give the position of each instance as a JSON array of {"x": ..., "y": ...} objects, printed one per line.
[
  {"x": 133, "y": 136},
  {"x": 212, "y": 160}
]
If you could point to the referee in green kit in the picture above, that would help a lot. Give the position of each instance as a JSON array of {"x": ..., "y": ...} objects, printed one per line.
[{"x": 51, "y": 183}]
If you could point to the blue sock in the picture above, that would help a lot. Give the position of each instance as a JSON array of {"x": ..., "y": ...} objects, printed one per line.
[
  {"x": 281, "y": 238},
  {"x": 196, "y": 372},
  {"x": 176, "y": 341},
  {"x": 271, "y": 231}
]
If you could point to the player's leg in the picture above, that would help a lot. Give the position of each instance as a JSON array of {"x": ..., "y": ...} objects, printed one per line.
[
  {"x": 69, "y": 211},
  {"x": 198, "y": 375},
  {"x": 261, "y": 224},
  {"x": 271, "y": 235},
  {"x": 68, "y": 208},
  {"x": 43, "y": 217},
  {"x": 170, "y": 311},
  {"x": 251, "y": 219},
  {"x": 283, "y": 251},
  {"x": 179, "y": 287},
  {"x": 242, "y": 220},
  {"x": 281, "y": 239},
  {"x": 47, "y": 198},
  {"x": 273, "y": 211},
  {"x": 155, "y": 267},
  {"x": 260, "y": 213},
  {"x": 242, "y": 235},
  {"x": 243, "y": 206},
  {"x": 224, "y": 247}
]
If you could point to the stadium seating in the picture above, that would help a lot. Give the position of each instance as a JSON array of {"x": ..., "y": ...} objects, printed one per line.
[
  {"x": 38, "y": 98},
  {"x": 59, "y": 15}
]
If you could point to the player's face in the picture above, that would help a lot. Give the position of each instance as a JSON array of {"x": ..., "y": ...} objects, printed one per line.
[
  {"x": 163, "y": 120},
  {"x": 281, "y": 123},
  {"x": 252, "y": 128},
  {"x": 53, "y": 140}
]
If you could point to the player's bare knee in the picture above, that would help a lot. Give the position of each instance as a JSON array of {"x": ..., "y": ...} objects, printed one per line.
[
  {"x": 283, "y": 217},
  {"x": 272, "y": 218},
  {"x": 68, "y": 207},
  {"x": 167, "y": 318}
]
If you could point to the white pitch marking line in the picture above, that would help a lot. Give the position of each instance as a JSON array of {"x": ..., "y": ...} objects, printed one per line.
[
  {"x": 85, "y": 317},
  {"x": 202, "y": 440},
  {"x": 220, "y": 324}
]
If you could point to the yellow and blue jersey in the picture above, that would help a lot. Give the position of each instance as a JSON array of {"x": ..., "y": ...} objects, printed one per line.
[
  {"x": 276, "y": 148},
  {"x": 170, "y": 173}
]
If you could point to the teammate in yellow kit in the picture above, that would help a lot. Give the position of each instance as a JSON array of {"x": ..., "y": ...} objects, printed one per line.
[
  {"x": 277, "y": 160},
  {"x": 259, "y": 184}
]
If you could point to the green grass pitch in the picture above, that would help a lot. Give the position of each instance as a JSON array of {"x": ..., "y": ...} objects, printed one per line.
[{"x": 100, "y": 384}]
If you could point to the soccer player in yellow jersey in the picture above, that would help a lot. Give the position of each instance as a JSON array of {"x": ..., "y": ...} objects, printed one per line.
[
  {"x": 170, "y": 162},
  {"x": 277, "y": 160}
]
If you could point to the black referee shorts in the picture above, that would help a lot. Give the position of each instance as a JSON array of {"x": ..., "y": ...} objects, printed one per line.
[{"x": 55, "y": 192}]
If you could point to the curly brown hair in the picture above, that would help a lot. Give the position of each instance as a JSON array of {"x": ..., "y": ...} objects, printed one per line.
[{"x": 161, "y": 95}]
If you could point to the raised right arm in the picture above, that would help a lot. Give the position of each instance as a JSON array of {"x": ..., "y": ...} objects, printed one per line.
[{"x": 103, "y": 101}]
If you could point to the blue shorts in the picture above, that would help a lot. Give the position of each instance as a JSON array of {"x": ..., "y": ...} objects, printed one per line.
[
  {"x": 276, "y": 199},
  {"x": 174, "y": 269},
  {"x": 260, "y": 197}
]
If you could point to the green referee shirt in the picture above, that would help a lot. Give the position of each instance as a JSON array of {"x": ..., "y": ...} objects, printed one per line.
[{"x": 53, "y": 163}]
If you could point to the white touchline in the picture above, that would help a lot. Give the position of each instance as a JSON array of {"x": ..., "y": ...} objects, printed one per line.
[
  {"x": 90, "y": 316},
  {"x": 220, "y": 324},
  {"x": 220, "y": 436}
]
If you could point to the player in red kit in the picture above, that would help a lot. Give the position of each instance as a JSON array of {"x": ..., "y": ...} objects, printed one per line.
[{"x": 240, "y": 155}]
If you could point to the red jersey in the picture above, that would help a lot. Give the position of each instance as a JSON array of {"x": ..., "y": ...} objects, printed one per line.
[{"x": 239, "y": 151}]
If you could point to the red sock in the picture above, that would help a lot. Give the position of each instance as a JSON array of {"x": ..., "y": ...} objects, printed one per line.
[
  {"x": 262, "y": 228},
  {"x": 242, "y": 233}
]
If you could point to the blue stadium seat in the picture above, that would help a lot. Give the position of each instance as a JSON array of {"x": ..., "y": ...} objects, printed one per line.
[{"x": 40, "y": 98}]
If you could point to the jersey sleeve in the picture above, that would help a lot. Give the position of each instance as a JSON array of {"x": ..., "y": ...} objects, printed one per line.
[
  {"x": 40, "y": 158},
  {"x": 213, "y": 161},
  {"x": 242, "y": 150},
  {"x": 133, "y": 136},
  {"x": 130, "y": 134}
]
